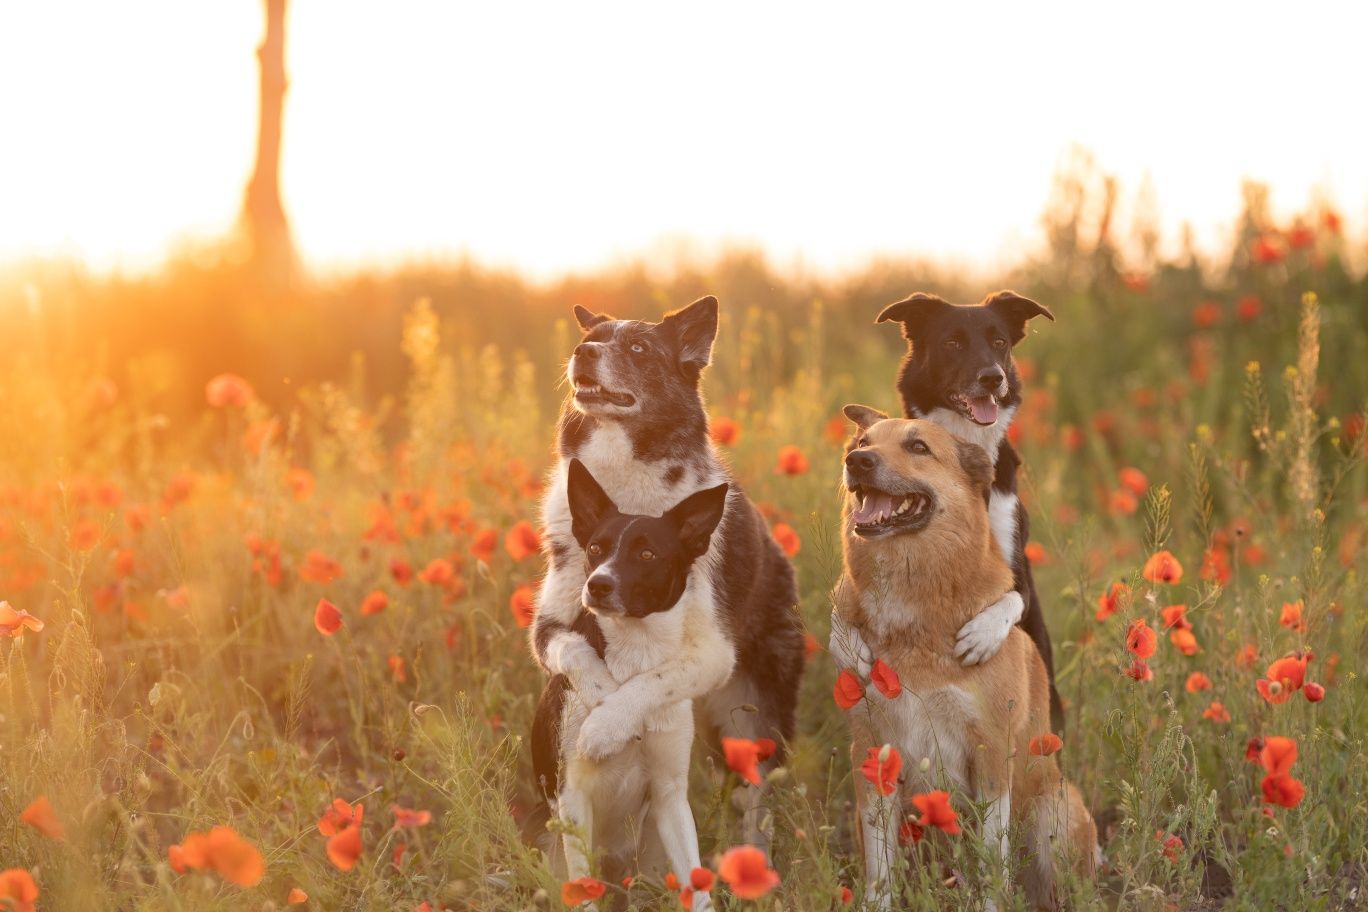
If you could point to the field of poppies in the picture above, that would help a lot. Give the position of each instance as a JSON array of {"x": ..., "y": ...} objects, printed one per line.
[{"x": 263, "y": 631}]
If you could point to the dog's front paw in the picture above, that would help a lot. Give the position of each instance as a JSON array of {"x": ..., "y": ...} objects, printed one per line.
[
  {"x": 604, "y": 733},
  {"x": 594, "y": 686},
  {"x": 848, "y": 648},
  {"x": 981, "y": 638}
]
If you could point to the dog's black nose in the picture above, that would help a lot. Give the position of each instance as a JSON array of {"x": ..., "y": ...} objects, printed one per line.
[
  {"x": 861, "y": 461},
  {"x": 587, "y": 350},
  {"x": 990, "y": 378},
  {"x": 599, "y": 587}
]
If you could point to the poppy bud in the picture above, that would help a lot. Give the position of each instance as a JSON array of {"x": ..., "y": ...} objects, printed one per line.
[{"x": 1314, "y": 692}]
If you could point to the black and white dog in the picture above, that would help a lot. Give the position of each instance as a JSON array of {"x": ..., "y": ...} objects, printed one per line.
[
  {"x": 636, "y": 420},
  {"x": 959, "y": 372},
  {"x": 642, "y": 601}
]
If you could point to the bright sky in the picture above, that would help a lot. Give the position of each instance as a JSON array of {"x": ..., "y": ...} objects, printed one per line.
[{"x": 562, "y": 136}]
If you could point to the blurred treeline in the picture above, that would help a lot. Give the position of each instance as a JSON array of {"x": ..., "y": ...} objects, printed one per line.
[{"x": 158, "y": 338}]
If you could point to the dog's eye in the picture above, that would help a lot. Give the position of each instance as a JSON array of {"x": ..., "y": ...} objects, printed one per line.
[
  {"x": 999, "y": 343},
  {"x": 862, "y": 442},
  {"x": 594, "y": 549},
  {"x": 953, "y": 344},
  {"x": 919, "y": 447},
  {"x": 648, "y": 554},
  {"x": 638, "y": 348}
]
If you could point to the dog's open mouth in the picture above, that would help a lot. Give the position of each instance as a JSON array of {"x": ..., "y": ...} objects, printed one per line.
[
  {"x": 982, "y": 410},
  {"x": 877, "y": 512},
  {"x": 588, "y": 391}
]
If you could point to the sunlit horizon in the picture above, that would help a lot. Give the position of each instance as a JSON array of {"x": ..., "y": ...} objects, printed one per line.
[{"x": 564, "y": 140}]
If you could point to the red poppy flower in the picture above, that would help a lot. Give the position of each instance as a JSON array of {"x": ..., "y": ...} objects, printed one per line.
[
  {"x": 765, "y": 748},
  {"x": 810, "y": 645},
  {"x": 1285, "y": 676},
  {"x": 1170, "y": 845},
  {"x": 1197, "y": 681},
  {"x": 1215, "y": 566},
  {"x": 1206, "y": 314},
  {"x": 339, "y": 816},
  {"x": 14, "y": 621},
  {"x": 18, "y": 891},
  {"x": 882, "y": 768},
  {"x": 319, "y": 567},
  {"x": 401, "y": 571},
  {"x": 523, "y": 604},
  {"x": 40, "y": 815},
  {"x": 1141, "y": 641},
  {"x": 296, "y": 897},
  {"x": 1277, "y": 754},
  {"x": 1291, "y": 616},
  {"x": 1175, "y": 616},
  {"x": 742, "y": 756},
  {"x": 724, "y": 431},
  {"x": 228, "y": 391},
  {"x": 484, "y": 544},
  {"x": 1185, "y": 641},
  {"x": 522, "y": 541},
  {"x": 374, "y": 602},
  {"x": 344, "y": 848},
  {"x": 1116, "y": 596},
  {"x": 1283, "y": 790},
  {"x": 327, "y": 619},
  {"x": 701, "y": 879},
  {"x": 787, "y": 538},
  {"x": 396, "y": 667},
  {"x": 86, "y": 534},
  {"x": 1267, "y": 249},
  {"x": 1045, "y": 745},
  {"x": 885, "y": 679},
  {"x": 1313, "y": 692},
  {"x": 791, "y": 461},
  {"x": 1248, "y": 308},
  {"x": 1163, "y": 567},
  {"x": 936, "y": 812},
  {"x": 1139, "y": 670},
  {"x": 438, "y": 572},
  {"x": 1035, "y": 553},
  {"x": 409, "y": 818},
  {"x": 747, "y": 872},
  {"x": 848, "y": 690},
  {"x": 221, "y": 849}
]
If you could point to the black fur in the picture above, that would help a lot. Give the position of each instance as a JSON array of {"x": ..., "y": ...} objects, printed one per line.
[{"x": 951, "y": 349}]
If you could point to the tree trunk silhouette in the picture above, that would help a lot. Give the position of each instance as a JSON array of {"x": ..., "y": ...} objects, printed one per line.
[{"x": 270, "y": 248}]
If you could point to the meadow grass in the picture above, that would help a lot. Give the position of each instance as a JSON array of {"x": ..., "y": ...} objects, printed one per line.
[{"x": 176, "y": 557}]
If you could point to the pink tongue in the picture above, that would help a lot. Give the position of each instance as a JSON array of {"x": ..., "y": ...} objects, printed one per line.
[
  {"x": 875, "y": 507},
  {"x": 985, "y": 410}
]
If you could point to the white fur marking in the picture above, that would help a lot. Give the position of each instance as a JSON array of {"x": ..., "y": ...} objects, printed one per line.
[{"x": 1002, "y": 517}]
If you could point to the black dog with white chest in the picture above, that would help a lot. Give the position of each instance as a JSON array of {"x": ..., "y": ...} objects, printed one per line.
[
  {"x": 637, "y": 422},
  {"x": 959, "y": 372},
  {"x": 643, "y": 604}
]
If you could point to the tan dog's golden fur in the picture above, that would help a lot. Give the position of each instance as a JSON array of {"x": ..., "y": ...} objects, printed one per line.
[{"x": 909, "y": 585}]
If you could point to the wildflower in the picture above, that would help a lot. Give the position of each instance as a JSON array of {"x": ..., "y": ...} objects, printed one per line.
[
  {"x": 1169, "y": 844},
  {"x": 396, "y": 667},
  {"x": 1291, "y": 616},
  {"x": 483, "y": 546},
  {"x": 724, "y": 431},
  {"x": 1122, "y": 502},
  {"x": 375, "y": 602},
  {"x": 438, "y": 572},
  {"x": 1266, "y": 249},
  {"x": 810, "y": 645},
  {"x": 834, "y": 431},
  {"x": 1140, "y": 639},
  {"x": 1139, "y": 670},
  {"x": 258, "y": 436},
  {"x": 1300, "y": 236},
  {"x": 791, "y": 461},
  {"x": 1185, "y": 641},
  {"x": 936, "y": 812},
  {"x": 1285, "y": 676},
  {"x": 344, "y": 848},
  {"x": 1045, "y": 745},
  {"x": 746, "y": 871},
  {"x": 1163, "y": 567},
  {"x": 1117, "y": 595},
  {"x": 228, "y": 391},
  {"x": 1197, "y": 681},
  {"x": 319, "y": 567},
  {"x": 787, "y": 538},
  {"x": 846, "y": 895},
  {"x": 742, "y": 756},
  {"x": 408, "y": 818},
  {"x": 885, "y": 679},
  {"x": 848, "y": 690},
  {"x": 1216, "y": 712},
  {"x": 522, "y": 541},
  {"x": 1035, "y": 552},
  {"x": 222, "y": 850},
  {"x": 1282, "y": 789},
  {"x": 13, "y": 621},
  {"x": 523, "y": 604},
  {"x": 85, "y": 535},
  {"x": 137, "y": 517},
  {"x": 701, "y": 879},
  {"x": 1247, "y": 656},
  {"x": 40, "y": 815},
  {"x": 1313, "y": 692},
  {"x": 327, "y": 618},
  {"x": 1175, "y": 616},
  {"x": 339, "y": 816},
  {"x": 1215, "y": 566},
  {"x": 1206, "y": 314},
  {"x": 18, "y": 892},
  {"x": 882, "y": 768},
  {"x": 297, "y": 897},
  {"x": 1277, "y": 754},
  {"x": 1248, "y": 308},
  {"x": 401, "y": 571}
]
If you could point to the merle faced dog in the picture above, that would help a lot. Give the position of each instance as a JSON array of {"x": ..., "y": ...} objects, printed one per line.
[
  {"x": 642, "y": 600},
  {"x": 636, "y": 420},
  {"x": 959, "y": 373}
]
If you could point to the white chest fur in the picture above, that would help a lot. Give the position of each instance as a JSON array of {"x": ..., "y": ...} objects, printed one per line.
[
  {"x": 931, "y": 725},
  {"x": 1002, "y": 517}
]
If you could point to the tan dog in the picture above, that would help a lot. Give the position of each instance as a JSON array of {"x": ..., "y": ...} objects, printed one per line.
[{"x": 919, "y": 562}]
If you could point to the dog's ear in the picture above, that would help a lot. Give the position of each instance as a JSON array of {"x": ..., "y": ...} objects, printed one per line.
[
  {"x": 697, "y": 516},
  {"x": 587, "y": 319},
  {"x": 694, "y": 328},
  {"x": 1016, "y": 310},
  {"x": 974, "y": 460},
  {"x": 912, "y": 312},
  {"x": 590, "y": 505},
  {"x": 863, "y": 415}
]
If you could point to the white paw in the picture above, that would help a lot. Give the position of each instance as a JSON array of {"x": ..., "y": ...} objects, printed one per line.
[
  {"x": 604, "y": 733},
  {"x": 848, "y": 648},
  {"x": 594, "y": 686},
  {"x": 981, "y": 638}
]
